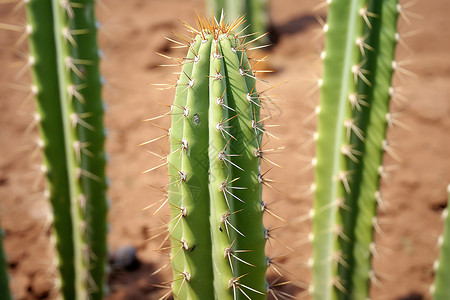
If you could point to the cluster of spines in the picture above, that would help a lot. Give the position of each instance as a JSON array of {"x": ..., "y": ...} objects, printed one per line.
[
  {"x": 353, "y": 115},
  {"x": 64, "y": 63},
  {"x": 214, "y": 169},
  {"x": 440, "y": 288}
]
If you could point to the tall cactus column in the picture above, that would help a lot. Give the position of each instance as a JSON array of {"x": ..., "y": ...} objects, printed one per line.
[
  {"x": 64, "y": 58},
  {"x": 216, "y": 228},
  {"x": 353, "y": 115}
]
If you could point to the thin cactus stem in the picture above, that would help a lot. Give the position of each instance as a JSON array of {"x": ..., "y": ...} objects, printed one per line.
[
  {"x": 218, "y": 237},
  {"x": 341, "y": 55},
  {"x": 353, "y": 104},
  {"x": 440, "y": 289},
  {"x": 62, "y": 42}
]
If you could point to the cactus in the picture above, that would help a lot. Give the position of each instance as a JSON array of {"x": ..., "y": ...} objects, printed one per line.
[
  {"x": 216, "y": 228},
  {"x": 255, "y": 11},
  {"x": 440, "y": 289},
  {"x": 64, "y": 61},
  {"x": 353, "y": 115}
]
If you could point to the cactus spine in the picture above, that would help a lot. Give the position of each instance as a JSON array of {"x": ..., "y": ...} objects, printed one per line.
[
  {"x": 216, "y": 228},
  {"x": 66, "y": 82},
  {"x": 353, "y": 115}
]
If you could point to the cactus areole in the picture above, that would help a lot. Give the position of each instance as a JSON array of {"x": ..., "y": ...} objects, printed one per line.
[{"x": 216, "y": 228}]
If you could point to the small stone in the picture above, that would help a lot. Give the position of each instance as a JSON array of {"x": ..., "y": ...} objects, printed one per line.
[{"x": 124, "y": 258}]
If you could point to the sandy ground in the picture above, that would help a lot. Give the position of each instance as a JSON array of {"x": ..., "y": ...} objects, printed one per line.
[{"x": 132, "y": 32}]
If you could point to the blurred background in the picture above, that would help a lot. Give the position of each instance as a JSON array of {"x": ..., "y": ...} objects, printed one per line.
[{"x": 131, "y": 34}]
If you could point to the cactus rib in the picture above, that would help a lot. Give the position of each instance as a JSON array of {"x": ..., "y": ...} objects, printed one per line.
[
  {"x": 384, "y": 28},
  {"x": 93, "y": 158},
  {"x": 194, "y": 188},
  {"x": 174, "y": 194},
  {"x": 246, "y": 131},
  {"x": 45, "y": 80}
]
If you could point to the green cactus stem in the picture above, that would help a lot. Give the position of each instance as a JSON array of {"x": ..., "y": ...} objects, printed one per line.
[
  {"x": 92, "y": 153},
  {"x": 353, "y": 115},
  {"x": 174, "y": 194},
  {"x": 66, "y": 83},
  {"x": 255, "y": 11},
  {"x": 216, "y": 228},
  {"x": 440, "y": 289}
]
